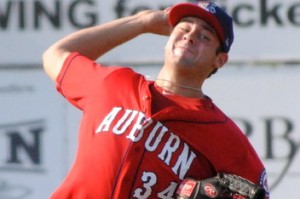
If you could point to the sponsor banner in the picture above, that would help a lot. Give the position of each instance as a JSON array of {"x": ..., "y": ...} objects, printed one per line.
[
  {"x": 33, "y": 151},
  {"x": 261, "y": 28},
  {"x": 266, "y": 30}
]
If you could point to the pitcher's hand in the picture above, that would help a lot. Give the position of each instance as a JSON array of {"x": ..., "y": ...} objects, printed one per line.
[{"x": 156, "y": 21}]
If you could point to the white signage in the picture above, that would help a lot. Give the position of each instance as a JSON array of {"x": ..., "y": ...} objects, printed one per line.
[
  {"x": 33, "y": 148},
  {"x": 265, "y": 30}
]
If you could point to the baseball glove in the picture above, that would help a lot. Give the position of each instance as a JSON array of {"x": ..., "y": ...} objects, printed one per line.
[{"x": 222, "y": 186}]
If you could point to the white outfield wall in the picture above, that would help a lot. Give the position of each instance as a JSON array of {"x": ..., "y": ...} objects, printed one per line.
[{"x": 38, "y": 129}]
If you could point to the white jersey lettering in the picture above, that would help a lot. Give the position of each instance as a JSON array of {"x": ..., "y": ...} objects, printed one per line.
[
  {"x": 124, "y": 122},
  {"x": 184, "y": 162},
  {"x": 153, "y": 140},
  {"x": 170, "y": 147},
  {"x": 120, "y": 121},
  {"x": 105, "y": 124},
  {"x": 137, "y": 130}
]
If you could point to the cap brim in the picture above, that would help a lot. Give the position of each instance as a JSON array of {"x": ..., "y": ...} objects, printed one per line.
[{"x": 181, "y": 10}]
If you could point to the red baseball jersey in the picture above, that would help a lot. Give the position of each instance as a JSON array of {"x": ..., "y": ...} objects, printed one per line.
[{"x": 136, "y": 142}]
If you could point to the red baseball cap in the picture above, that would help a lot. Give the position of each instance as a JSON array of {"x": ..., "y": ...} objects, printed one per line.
[{"x": 209, "y": 12}]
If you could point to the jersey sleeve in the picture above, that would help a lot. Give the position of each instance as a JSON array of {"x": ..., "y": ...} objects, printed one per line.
[
  {"x": 78, "y": 78},
  {"x": 244, "y": 159}
]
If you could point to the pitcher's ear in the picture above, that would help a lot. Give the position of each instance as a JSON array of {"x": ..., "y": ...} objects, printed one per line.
[{"x": 221, "y": 59}]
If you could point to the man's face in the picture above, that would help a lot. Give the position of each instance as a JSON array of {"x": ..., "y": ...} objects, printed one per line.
[{"x": 192, "y": 46}]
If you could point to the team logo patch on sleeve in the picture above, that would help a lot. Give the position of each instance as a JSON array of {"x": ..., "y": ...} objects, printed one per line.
[{"x": 263, "y": 181}]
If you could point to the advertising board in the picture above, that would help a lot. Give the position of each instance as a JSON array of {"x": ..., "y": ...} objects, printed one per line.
[{"x": 265, "y": 30}]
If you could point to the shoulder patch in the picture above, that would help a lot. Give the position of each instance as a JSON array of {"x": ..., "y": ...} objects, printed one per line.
[{"x": 263, "y": 181}]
